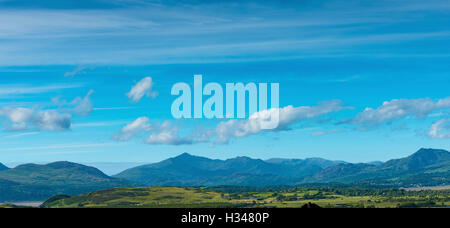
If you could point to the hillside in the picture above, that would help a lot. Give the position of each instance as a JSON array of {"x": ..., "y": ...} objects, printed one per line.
[
  {"x": 142, "y": 197},
  {"x": 425, "y": 167},
  {"x": 188, "y": 170},
  {"x": 176, "y": 197},
  {"x": 3, "y": 167},
  {"x": 37, "y": 182}
]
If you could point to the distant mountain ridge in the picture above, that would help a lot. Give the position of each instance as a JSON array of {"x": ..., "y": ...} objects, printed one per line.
[
  {"x": 425, "y": 167},
  {"x": 36, "y": 182},
  {"x": 29, "y": 182},
  {"x": 189, "y": 170}
]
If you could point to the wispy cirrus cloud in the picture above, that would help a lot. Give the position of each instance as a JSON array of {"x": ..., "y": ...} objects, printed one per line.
[
  {"x": 21, "y": 134},
  {"x": 326, "y": 132},
  {"x": 195, "y": 32},
  {"x": 83, "y": 105},
  {"x": 77, "y": 71},
  {"x": 17, "y": 89}
]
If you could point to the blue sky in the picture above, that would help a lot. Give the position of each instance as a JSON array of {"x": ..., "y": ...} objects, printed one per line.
[{"x": 366, "y": 80}]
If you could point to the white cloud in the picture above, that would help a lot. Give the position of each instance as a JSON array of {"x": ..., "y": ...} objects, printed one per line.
[
  {"x": 21, "y": 118},
  {"x": 83, "y": 106},
  {"x": 168, "y": 134},
  {"x": 53, "y": 121},
  {"x": 440, "y": 129},
  {"x": 398, "y": 109},
  {"x": 25, "y": 119},
  {"x": 141, "y": 89},
  {"x": 136, "y": 34},
  {"x": 135, "y": 128},
  {"x": 289, "y": 115},
  {"x": 165, "y": 133},
  {"x": 80, "y": 105}
]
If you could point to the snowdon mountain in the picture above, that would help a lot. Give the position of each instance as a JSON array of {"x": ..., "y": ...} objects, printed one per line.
[
  {"x": 37, "y": 182},
  {"x": 425, "y": 167},
  {"x": 189, "y": 170}
]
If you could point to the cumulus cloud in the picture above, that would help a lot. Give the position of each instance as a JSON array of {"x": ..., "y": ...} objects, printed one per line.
[
  {"x": 135, "y": 128},
  {"x": 168, "y": 134},
  {"x": 440, "y": 129},
  {"x": 22, "y": 118},
  {"x": 158, "y": 134},
  {"x": 288, "y": 115},
  {"x": 397, "y": 109},
  {"x": 26, "y": 119},
  {"x": 141, "y": 89}
]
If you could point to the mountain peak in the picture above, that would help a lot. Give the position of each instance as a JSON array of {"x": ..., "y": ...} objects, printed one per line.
[
  {"x": 430, "y": 155},
  {"x": 243, "y": 158},
  {"x": 185, "y": 155},
  {"x": 63, "y": 164},
  {"x": 430, "y": 151},
  {"x": 419, "y": 160}
]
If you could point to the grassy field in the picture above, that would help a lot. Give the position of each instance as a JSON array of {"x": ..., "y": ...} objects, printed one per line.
[{"x": 174, "y": 197}]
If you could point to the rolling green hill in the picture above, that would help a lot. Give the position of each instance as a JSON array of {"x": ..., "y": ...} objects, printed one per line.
[
  {"x": 38, "y": 182},
  {"x": 143, "y": 197},
  {"x": 176, "y": 197}
]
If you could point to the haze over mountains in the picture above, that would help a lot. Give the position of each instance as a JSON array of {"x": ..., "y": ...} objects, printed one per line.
[{"x": 37, "y": 182}]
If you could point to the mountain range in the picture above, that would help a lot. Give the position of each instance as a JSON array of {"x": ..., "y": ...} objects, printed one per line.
[
  {"x": 189, "y": 170},
  {"x": 36, "y": 182},
  {"x": 426, "y": 167}
]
